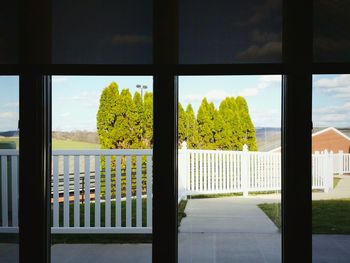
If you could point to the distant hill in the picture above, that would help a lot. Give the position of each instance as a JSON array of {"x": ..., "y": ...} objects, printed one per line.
[
  {"x": 80, "y": 136},
  {"x": 9, "y": 134}
]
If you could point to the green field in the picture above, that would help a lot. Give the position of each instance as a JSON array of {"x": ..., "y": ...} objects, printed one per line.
[
  {"x": 73, "y": 145},
  {"x": 62, "y": 144},
  {"x": 10, "y": 140}
]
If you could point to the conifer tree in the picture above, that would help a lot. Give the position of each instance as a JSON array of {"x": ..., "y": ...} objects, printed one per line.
[
  {"x": 106, "y": 116},
  {"x": 182, "y": 131},
  {"x": 191, "y": 128},
  {"x": 148, "y": 120},
  {"x": 248, "y": 130},
  {"x": 139, "y": 125},
  {"x": 206, "y": 125},
  {"x": 125, "y": 131}
]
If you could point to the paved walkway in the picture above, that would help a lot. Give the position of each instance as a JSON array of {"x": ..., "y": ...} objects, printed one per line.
[{"x": 228, "y": 230}]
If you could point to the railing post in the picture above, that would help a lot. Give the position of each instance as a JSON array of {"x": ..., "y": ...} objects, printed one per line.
[
  {"x": 330, "y": 169},
  {"x": 245, "y": 170},
  {"x": 182, "y": 171},
  {"x": 325, "y": 172},
  {"x": 341, "y": 162}
]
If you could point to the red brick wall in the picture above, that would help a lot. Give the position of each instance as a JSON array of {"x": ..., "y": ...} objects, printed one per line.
[{"x": 331, "y": 141}]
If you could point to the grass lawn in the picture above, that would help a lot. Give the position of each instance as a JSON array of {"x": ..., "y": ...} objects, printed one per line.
[
  {"x": 328, "y": 216},
  {"x": 335, "y": 181},
  {"x": 73, "y": 145},
  {"x": 62, "y": 144},
  {"x": 9, "y": 139}
]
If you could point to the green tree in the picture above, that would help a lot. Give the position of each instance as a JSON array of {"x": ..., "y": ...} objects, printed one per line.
[
  {"x": 206, "y": 125},
  {"x": 224, "y": 133},
  {"x": 248, "y": 130},
  {"x": 182, "y": 120},
  {"x": 107, "y": 116},
  {"x": 191, "y": 128},
  {"x": 125, "y": 132},
  {"x": 139, "y": 125},
  {"x": 148, "y": 120}
]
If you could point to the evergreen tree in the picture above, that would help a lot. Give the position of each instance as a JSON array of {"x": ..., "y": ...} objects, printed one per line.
[
  {"x": 182, "y": 131},
  {"x": 221, "y": 132},
  {"x": 148, "y": 120},
  {"x": 139, "y": 125},
  {"x": 248, "y": 130},
  {"x": 191, "y": 128},
  {"x": 206, "y": 125},
  {"x": 125, "y": 131},
  {"x": 106, "y": 116},
  {"x": 125, "y": 121}
]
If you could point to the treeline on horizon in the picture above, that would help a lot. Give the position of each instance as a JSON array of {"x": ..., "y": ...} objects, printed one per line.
[{"x": 125, "y": 121}]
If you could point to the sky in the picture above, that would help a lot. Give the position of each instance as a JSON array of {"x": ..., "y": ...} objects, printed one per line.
[{"x": 76, "y": 98}]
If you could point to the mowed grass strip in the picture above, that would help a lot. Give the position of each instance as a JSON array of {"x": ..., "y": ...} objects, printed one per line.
[
  {"x": 328, "y": 216},
  {"x": 103, "y": 213}
]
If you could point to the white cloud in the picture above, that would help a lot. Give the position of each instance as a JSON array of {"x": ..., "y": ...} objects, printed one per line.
[
  {"x": 217, "y": 95},
  {"x": 86, "y": 99},
  {"x": 11, "y": 105},
  {"x": 338, "y": 86},
  {"x": 8, "y": 115},
  {"x": 337, "y": 114},
  {"x": 269, "y": 50},
  {"x": 65, "y": 114},
  {"x": 212, "y": 95},
  {"x": 267, "y": 118}
]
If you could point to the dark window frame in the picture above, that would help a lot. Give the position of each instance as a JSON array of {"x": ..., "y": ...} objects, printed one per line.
[{"x": 35, "y": 69}]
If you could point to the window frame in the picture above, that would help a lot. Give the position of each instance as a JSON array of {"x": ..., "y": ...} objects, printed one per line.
[{"x": 35, "y": 69}]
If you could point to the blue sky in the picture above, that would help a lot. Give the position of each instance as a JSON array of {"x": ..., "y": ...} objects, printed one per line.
[
  {"x": 76, "y": 98},
  {"x": 9, "y": 106}
]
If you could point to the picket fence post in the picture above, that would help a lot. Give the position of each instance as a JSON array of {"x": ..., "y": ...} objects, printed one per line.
[
  {"x": 325, "y": 170},
  {"x": 183, "y": 172},
  {"x": 245, "y": 170},
  {"x": 331, "y": 169},
  {"x": 340, "y": 162}
]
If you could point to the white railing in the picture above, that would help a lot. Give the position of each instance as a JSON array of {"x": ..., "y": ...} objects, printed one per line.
[
  {"x": 9, "y": 191},
  {"x": 110, "y": 191},
  {"x": 213, "y": 172},
  {"x": 126, "y": 179}
]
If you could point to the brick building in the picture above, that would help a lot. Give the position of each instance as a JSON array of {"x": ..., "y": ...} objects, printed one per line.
[{"x": 330, "y": 139}]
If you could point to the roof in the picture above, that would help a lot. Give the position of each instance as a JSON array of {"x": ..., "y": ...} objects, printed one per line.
[
  {"x": 335, "y": 130},
  {"x": 344, "y": 132}
]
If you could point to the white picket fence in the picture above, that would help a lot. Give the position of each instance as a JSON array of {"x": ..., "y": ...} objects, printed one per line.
[
  {"x": 119, "y": 165},
  {"x": 106, "y": 191},
  {"x": 215, "y": 172}
]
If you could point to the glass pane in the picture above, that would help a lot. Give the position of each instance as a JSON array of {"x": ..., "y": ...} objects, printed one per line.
[
  {"x": 102, "y": 32},
  {"x": 331, "y": 31},
  {"x": 9, "y": 32},
  {"x": 229, "y": 169},
  {"x": 331, "y": 168},
  {"x": 102, "y": 169},
  {"x": 228, "y": 31},
  {"x": 9, "y": 145}
]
